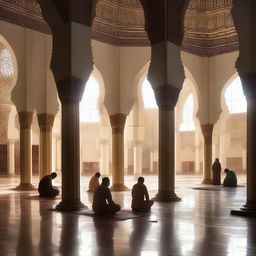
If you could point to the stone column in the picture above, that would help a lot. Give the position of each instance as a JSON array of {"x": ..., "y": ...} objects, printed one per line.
[
  {"x": 70, "y": 146},
  {"x": 25, "y": 119},
  {"x": 166, "y": 99},
  {"x": 137, "y": 157},
  {"x": 117, "y": 124},
  {"x": 11, "y": 157},
  {"x": 104, "y": 157},
  {"x": 125, "y": 160},
  {"x": 207, "y": 133},
  {"x": 45, "y": 123},
  {"x": 249, "y": 87}
]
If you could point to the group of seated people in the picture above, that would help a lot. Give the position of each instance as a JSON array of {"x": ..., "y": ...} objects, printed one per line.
[
  {"x": 102, "y": 198},
  {"x": 104, "y": 204}
]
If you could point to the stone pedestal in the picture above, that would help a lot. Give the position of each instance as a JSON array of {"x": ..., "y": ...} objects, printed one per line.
[
  {"x": 25, "y": 119},
  {"x": 207, "y": 133},
  {"x": 45, "y": 123},
  {"x": 117, "y": 125},
  {"x": 166, "y": 182}
]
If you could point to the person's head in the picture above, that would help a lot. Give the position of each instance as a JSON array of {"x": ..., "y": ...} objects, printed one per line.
[
  {"x": 53, "y": 175},
  {"x": 106, "y": 181},
  {"x": 141, "y": 180},
  {"x": 226, "y": 170},
  {"x": 97, "y": 174},
  {"x": 217, "y": 159}
]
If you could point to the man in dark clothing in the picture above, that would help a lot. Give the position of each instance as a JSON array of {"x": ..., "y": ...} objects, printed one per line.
[
  {"x": 45, "y": 187},
  {"x": 216, "y": 171},
  {"x": 102, "y": 199},
  {"x": 140, "y": 197}
]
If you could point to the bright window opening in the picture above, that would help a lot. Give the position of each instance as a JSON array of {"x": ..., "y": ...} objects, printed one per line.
[
  {"x": 89, "y": 112},
  {"x": 187, "y": 115},
  {"x": 148, "y": 95},
  {"x": 6, "y": 68},
  {"x": 234, "y": 97}
]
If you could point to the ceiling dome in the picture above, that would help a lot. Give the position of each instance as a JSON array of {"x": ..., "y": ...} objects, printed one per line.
[{"x": 208, "y": 26}]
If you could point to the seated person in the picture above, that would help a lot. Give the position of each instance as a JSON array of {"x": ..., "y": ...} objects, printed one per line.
[
  {"x": 230, "y": 179},
  {"x": 102, "y": 199},
  {"x": 140, "y": 198},
  {"x": 94, "y": 182},
  {"x": 45, "y": 187}
]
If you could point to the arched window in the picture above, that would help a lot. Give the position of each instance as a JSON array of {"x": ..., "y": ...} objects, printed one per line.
[
  {"x": 148, "y": 95},
  {"x": 187, "y": 115},
  {"x": 89, "y": 112},
  {"x": 6, "y": 68},
  {"x": 234, "y": 97}
]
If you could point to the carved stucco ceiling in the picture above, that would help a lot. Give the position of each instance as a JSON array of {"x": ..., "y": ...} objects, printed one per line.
[{"x": 209, "y": 28}]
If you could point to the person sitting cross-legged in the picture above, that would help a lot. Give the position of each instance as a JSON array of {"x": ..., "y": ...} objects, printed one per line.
[
  {"x": 140, "y": 197},
  {"x": 45, "y": 187},
  {"x": 102, "y": 199},
  {"x": 230, "y": 179}
]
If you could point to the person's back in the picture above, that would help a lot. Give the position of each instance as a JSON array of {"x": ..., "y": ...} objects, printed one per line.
[
  {"x": 94, "y": 182},
  {"x": 216, "y": 169},
  {"x": 102, "y": 199},
  {"x": 140, "y": 197},
  {"x": 230, "y": 179},
  {"x": 45, "y": 187}
]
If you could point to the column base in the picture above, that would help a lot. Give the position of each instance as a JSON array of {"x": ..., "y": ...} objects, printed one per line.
[
  {"x": 207, "y": 181},
  {"x": 249, "y": 210},
  {"x": 65, "y": 206},
  {"x": 25, "y": 187},
  {"x": 118, "y": 187},
  {"x": 166, "y": 196}
]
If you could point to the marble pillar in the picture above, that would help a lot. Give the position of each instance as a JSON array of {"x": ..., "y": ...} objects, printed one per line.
[
  {"x": 11, "y": 157},
  {"x": 207, "y": 169},
  {"x": 137, "y": 157},
  {"x": 166, "y": 181},
  {"x": 104, "y": 157},
  {"x": 45, "y": 123},
  {"x": 25, "y": 119},
  {"x": 70, "y": 156},
  {"x": 117, "y": 124}
]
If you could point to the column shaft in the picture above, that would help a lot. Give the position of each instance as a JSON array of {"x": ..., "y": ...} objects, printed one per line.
[
  {"x": 117, "y": 125},
  {"x": 25, "y": 119},
  {"x": 207, "y": 133},
  {"x": 104, "y": 158},
  {"x": 45, "y": 123},
  {"x": 70, "y": 161},
  {"x": 137, "y": 156},
  {"x": 11, "y": 157},
  {"x": 166, "y": 182}
]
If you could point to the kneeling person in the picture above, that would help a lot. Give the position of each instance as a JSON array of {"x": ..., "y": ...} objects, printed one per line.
[
  {"x": 140, "y": 197},
  {"x": 45, "y": 187},
  {"x": 102, "y": 199},
  {"x": 230, "y": 179}
]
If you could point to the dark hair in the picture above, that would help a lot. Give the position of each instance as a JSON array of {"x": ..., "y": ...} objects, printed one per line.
[
  {"x": 53, "y": 175},
  {"x": 97, "y": 174},
  {"x": 105, "y": 180},
  {"x": 141, "y": 179},
  {"x": 226, "y": 170}
]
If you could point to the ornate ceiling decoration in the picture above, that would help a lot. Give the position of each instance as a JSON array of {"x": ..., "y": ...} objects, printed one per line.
[{"x": 209, "y": 28}]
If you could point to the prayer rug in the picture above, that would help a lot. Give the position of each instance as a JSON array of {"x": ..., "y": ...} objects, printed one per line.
[
  {"x": 121, "y": 215},
  {"x": 36, "y": 197}
]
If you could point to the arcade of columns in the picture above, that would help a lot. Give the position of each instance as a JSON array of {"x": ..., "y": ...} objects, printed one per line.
[{"x": 72, "y": 63}]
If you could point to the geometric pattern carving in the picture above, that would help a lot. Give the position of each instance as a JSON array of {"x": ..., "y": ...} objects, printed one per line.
[{"x": 208, "y": 26}]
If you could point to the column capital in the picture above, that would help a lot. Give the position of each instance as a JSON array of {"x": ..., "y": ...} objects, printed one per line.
[
  {"x": 166, "y": 96},
  {"x": 25, "y": 119},
  {"x": 117, "y": 122},
  {"x": 45, "y": 121},
  {"x": 207, "y": 130},
  {"x": 249, "y": 85},
  {"x": 70, "y": 90}
]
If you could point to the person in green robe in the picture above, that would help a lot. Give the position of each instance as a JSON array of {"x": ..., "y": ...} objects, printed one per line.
[{"x": 230, "y": 179}]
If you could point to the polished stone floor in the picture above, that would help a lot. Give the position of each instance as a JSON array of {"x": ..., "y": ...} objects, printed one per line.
[{"x": 199, "y": 225}]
